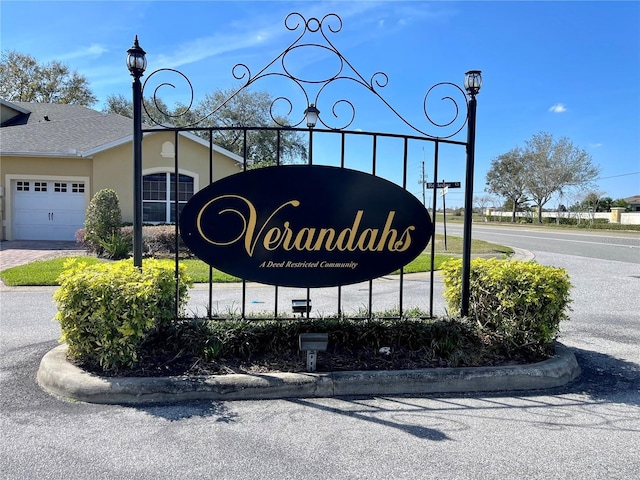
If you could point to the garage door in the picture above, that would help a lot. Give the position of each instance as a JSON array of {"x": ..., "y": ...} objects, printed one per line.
[{"x": 47, "y": 210}]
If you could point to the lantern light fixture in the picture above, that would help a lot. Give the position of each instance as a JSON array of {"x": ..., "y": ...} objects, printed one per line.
[
  {"x": 311, "y": 115},
  {"x": 473, "y": 82},
  {"x": 136, "y": 59}
]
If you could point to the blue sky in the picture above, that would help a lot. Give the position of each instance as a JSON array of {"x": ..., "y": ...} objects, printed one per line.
[{"x": 568, "y": 68}]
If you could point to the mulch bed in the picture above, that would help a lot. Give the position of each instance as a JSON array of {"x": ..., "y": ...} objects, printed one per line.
[{"x": 162, "y": 364}]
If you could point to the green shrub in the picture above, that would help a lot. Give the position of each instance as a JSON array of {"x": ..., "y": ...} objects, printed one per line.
[
  {"x": 102, "y": 220},
  {"x": 107, "y": 310},
  {"x": 118, "y": 246},
  {"x": 161, "y": 240},
  {"x": 519, "y": 304},
  {"x": 445, "y": 341},
  {"x": 157, "y": 241}
]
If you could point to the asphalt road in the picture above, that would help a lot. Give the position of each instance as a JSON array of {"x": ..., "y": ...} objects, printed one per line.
[
  {"x": 587, "y": 430},
  {"x": 608, "y": 245}
]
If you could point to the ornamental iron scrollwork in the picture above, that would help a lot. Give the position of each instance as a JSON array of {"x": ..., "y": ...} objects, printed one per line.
[{"x": 318, "y": 29}]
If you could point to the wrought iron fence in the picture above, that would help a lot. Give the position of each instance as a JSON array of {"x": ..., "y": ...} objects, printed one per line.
[{"x": 304, "y": 117}]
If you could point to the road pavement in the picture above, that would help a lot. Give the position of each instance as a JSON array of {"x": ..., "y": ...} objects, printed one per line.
[{"x": 589, "y": 429}]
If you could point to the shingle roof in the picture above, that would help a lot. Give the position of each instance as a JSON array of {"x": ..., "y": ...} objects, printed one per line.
[
  {"x": 59, "y": 129},
  {"x": 54, "y": 129}
]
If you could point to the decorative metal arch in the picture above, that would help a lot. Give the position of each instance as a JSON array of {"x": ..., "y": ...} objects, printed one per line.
[{"x": 314, "y": 35}]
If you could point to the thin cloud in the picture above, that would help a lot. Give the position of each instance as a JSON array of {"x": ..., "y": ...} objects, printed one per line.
[
  {"x": 94, "y": 51},
  {"x": 233, "y": 36},
  {"x": 203, "y": 48},
  {"x": 558, "y": 108}
]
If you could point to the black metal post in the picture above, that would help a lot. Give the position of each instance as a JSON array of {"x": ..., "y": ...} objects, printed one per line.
[
  {"x": 137, "y": 62},
  {"x": 444, "y": 214},
  {"x": 468, "y": 207},
  {"x": 137, "y": 172}
]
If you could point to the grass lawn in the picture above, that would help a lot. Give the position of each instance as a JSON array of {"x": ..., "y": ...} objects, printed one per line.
[{"x": 46, "y": 272}]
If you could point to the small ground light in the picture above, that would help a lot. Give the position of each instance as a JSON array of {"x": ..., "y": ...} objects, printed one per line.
[
  {"x": 312, "y": 343},
  {"x": 301, "y": 306}
]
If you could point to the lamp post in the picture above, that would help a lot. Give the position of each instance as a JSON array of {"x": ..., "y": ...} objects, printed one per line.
[
  {"x": 472, "y": 84},
  {"x": 137, "y": 63}
]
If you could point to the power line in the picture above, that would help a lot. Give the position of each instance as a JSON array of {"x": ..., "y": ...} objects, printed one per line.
[{"x": 622, "y": 175}]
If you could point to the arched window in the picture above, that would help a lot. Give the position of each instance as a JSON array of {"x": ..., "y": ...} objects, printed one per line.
[{"x": 158, "y": 196}]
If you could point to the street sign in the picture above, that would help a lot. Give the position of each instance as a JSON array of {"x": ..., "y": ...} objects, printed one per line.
[
  {"x": 444, "y": 191},
  {"x": 443, "y": 184}
]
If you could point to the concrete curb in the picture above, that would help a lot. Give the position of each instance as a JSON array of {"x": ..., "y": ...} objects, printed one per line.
[{"x": 61, "y": 378}]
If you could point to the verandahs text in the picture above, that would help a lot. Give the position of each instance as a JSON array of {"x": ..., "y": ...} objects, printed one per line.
[{"x": 273, "y": 235}]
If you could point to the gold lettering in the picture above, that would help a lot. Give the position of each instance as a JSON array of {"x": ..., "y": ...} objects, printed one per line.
[
  {"x": 403, "y": 244},
  {"x": 351, "y": 232},
  {"x": 363, "y": 244},
  {"x": 251, "y": 245},
  {"x": 387, "y": 232},
  {"x": 325, "y": 232},
  {"x": 304, "y": 239},
  {"x": 288, "y": 236},
  {"x": 247, "y": 224},
  {"x": 273, "y": 237}
]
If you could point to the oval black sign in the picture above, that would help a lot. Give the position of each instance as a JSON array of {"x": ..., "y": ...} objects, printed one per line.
[{"x": 305, "y": 226}]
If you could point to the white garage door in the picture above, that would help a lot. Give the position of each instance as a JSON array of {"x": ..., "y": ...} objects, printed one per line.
[{"x": 47, "y": 210}]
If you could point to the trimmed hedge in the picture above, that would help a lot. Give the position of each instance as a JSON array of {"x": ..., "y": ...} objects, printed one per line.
[
  {"x": 106, "y": 311},
  {"x": 519, "y": 304}
]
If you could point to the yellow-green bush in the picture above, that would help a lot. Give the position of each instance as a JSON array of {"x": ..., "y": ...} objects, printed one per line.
[
  {"x": 520, "y": 304},
  {"x": 106, "y": 311}
]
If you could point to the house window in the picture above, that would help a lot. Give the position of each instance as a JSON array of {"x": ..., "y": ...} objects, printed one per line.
[
  {"x": 77, "y": 187},
  {"x": 60, "y": 187},
  {"x": 40, "y": 186},
  {"x": 22, "y": 186},
  {"x": 158, "y": 196}
]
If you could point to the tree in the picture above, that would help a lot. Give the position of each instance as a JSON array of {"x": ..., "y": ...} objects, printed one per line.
[
  {"x": 621, "y": 202},
  {"x": 552, "y": 165},
  {"x": 591, "y": 202},
  {"x": 507, "y": 178},
  {"x": 23, "y": 79},
  {"x": 481, "y": 201},
  {"x": 157, "y": 110},
  {"x": 605, "y": 204},
  {"x": 244, "y": 109}
]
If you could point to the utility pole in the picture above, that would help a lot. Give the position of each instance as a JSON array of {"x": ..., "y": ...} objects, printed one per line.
[{"x": 423, "y": 181}]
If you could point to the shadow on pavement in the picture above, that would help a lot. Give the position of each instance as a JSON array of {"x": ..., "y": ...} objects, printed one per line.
[
  {"x": 606, "y": 378},
  {"x": 186, "y": 410}
]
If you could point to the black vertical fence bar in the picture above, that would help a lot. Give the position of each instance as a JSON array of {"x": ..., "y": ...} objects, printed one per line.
[
  {"x": 404, "y": 185},
  {"x": 433, "y": 235},
  {"x": 210, "y": 308},
  {"x": 244, "y": 167},
  {"x": 373, "y": 172},
  {"x": 275, "y": 300},
  {"x": 342, "y": 148},
  {"x": 176, "y": 217}
]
